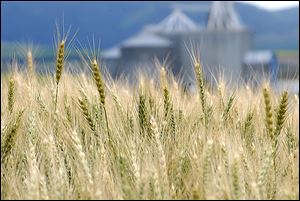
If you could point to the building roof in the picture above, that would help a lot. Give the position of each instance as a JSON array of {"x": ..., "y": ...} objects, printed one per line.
[
  {"x": 222, "y": 16},
  {"x": 258, "y": 57},
  {"x": 146, "y": 39},
  {"x": 176, "y": 22},
  {"x": 112, "y": 53}
]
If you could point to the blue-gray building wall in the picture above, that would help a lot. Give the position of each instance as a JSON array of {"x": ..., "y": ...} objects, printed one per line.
[
  {"x": 221, "y": 53},
  {"x": 140, "y": 58}
]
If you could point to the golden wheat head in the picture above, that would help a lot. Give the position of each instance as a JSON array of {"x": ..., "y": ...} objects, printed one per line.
[
  {"x": 60, "y": 60},
  {"x": 99, "y": 82}
]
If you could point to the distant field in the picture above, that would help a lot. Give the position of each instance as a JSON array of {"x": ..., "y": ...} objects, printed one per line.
[
  {"x": 41, "y": 53},
  {"x": 287, "y": 53},
  {"x": 289, "y": 64}
]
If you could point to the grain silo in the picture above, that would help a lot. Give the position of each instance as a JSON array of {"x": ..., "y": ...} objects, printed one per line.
[
  {"x": 222, "y": 45},
  {"x": 140, "y": 51}
]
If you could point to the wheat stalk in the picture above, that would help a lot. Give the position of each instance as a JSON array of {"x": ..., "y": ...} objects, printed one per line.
[
  {"x": 100, "y": 87},
  {"x": 161, "y": 157},
  {"x": 142, "y": 114},
  {"x": 280, "y": 118},
  {"x": 262, "y": 178},
  {"x": 11, "y": 95},
  {"x": 59, "y": 66},
  {"x": 30, "y": 69},
  {"x": 99, "y": 82},
  {"x": 83, "y": 159},
  {"x": 10, "y": 138},
  {"x": 207, "y": 165},
  {"x": 235, "y": 178},
  {"x": 200, "y": 82},
  {"x": 281, "y": 113},
  {"x": 67, "y": 109},
  {"x": 225, "y": 114},
  {"x": 60, "y": 60},
  {"x": 268, "y": 112},
  {"x": 84, "y": 108}
]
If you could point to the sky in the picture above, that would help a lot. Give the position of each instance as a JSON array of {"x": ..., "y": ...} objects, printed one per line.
[{"x": 273, "y": 5}]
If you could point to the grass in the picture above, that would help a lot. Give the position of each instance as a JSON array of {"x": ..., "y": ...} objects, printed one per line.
[{"x": 152, "y": 141}]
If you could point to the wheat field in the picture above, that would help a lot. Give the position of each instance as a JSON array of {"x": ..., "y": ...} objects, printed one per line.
[{"x": 87, "y": 136}]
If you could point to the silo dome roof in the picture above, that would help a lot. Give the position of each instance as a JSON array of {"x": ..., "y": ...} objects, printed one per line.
[
  {"x": 176, "y": 22},
  {"x": 146, "y": 39},
  {"x": 222, "y": 16}
]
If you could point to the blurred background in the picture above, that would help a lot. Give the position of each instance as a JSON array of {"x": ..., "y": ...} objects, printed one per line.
[{"x": 247, "y": 39}]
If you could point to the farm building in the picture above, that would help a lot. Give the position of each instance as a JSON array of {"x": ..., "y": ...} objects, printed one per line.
[
  {"x": 222, "y": 45},
  {"x": 258, "y": 65}
]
